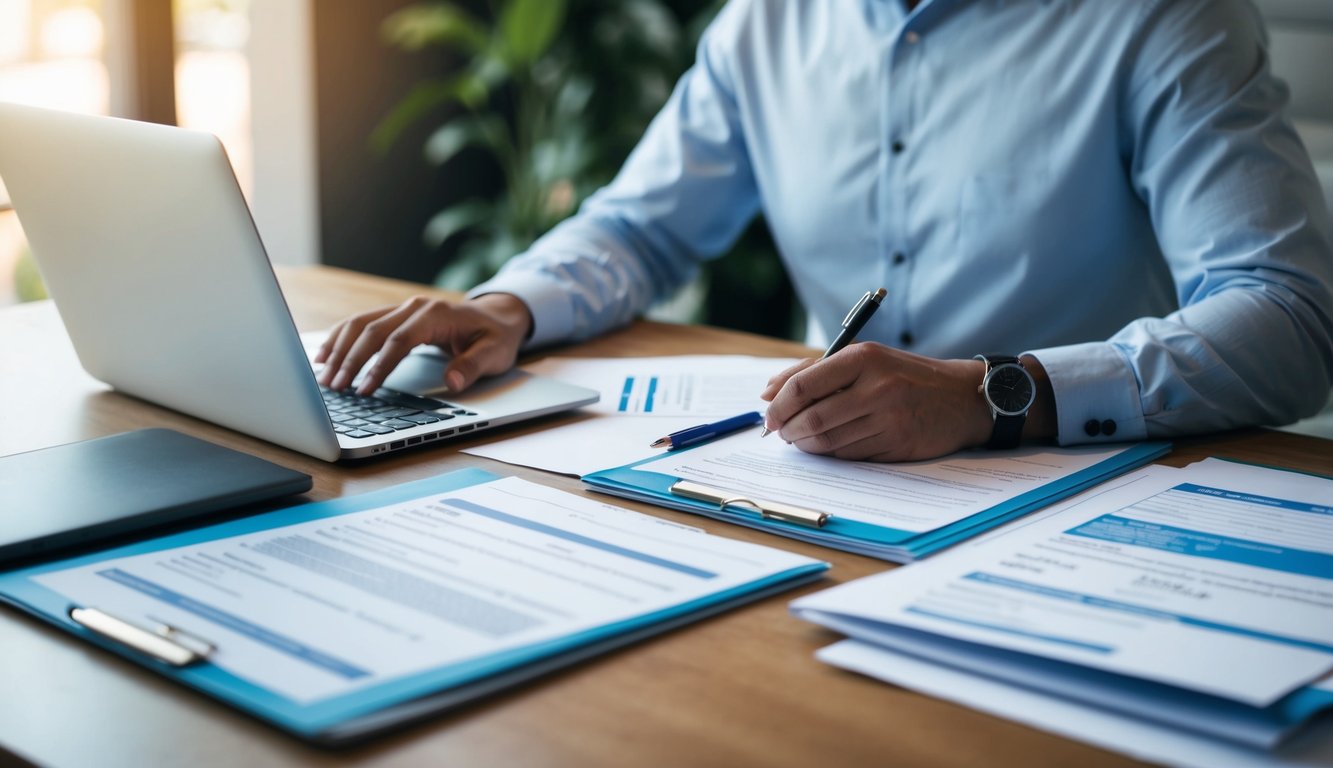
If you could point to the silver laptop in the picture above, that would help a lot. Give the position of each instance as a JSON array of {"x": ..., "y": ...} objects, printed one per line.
[{"x": 149, "y": 251}]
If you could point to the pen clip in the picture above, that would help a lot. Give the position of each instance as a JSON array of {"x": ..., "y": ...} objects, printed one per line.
[
  {"x": 168, "y": 644},
  {"x": 768, "y": 510},
  {"x": 846, "y": 321}
]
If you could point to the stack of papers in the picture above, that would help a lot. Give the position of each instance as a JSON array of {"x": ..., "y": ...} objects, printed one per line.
[
  {"x": 1195, "y": 601},
  {"x": 899, "y": 512}
]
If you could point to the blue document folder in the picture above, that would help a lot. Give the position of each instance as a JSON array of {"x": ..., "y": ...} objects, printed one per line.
[
  {"x": 864, "y": 538},
  {"x": 396, "y": 701}
]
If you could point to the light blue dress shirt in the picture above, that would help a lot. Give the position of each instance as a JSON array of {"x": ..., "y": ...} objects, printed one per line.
[{"x": 1109, "y": 186}]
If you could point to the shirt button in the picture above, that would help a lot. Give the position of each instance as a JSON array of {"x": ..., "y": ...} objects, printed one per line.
[
  {"x": 1108, "y": 427},
  {"x": 906, "y": 338},
  {"x": 912, "y": 38},
  {"x": 899, "y": 257},
  {"x": 1093, "y": 427},
  {"x": 897, "y": 147}
]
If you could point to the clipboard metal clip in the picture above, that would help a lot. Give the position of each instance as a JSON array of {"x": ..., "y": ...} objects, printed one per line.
[
  {"x": 768, "y": 510},
  {"x": 168, "y": 644}
]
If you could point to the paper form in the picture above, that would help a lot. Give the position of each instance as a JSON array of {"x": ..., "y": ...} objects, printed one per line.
[
  {"x": 585, "y": 446},
  {"x": 910, "y": 496},
  {"x": 643, "y": 398},
  {"x": 1142, "y": 739},
  {"x": 1216, "y": 579},
  {"x": 459, "y": 581},
  {"x": 699, "y": 385}
]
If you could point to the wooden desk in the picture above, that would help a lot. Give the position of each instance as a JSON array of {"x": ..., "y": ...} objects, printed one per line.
[{"x": 739, "y": 689}]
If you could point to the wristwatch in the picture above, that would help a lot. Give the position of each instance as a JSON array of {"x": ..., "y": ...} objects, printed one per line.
[{"x": 1010, "y": 392}]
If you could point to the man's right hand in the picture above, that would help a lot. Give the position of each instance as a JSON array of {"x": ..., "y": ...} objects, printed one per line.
[{"x": 482, "y": 336}]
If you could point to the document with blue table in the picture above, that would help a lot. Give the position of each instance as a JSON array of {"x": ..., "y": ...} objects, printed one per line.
[
  {"x": 898, "y": 512},
  {"x": 338, "y": 619},
  {"x": 1196, "y": 599}
]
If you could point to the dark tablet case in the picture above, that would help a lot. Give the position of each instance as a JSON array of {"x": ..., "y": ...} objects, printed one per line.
[{"x": 82, "y": 493}]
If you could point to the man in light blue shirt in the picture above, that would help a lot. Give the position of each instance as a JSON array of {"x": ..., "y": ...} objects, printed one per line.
[{"x": 1107, "y": 189}]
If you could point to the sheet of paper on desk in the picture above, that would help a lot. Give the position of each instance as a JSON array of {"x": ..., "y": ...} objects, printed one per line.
[
  {"x": 455, "y": 583},
  {"x": 909, "y": 496},
  {"x": 585, "y": 446},
  {"x": 643, "y": 398},
  {"x": 1138, "y": 738},
  {"x": 1216, "y": 580},
  {"x": 699, "y": 385}
]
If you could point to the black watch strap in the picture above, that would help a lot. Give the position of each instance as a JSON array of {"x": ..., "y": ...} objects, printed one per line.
[{"x": 1008, "y": 430}]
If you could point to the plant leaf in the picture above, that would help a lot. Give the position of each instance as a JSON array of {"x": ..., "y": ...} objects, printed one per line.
[
  {"x": 460, "y": 275},
  {"x": 490, "y": 67},
  {"x": 455, "y": 219},
  {"x": 562, "y": 157},
  {"x": 462, "y": 132},
  {"x": 443, "y": 24},
  {"x": 572, "y": 96},
  {"x": 464, "y": 88},
  {"x": 467, "y": 268},
  {"x": 499, "y": 250},
  {"x": 528, "y": 28}
]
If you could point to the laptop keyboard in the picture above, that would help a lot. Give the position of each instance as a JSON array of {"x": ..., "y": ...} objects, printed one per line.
[{"x": 385, "y": 412}]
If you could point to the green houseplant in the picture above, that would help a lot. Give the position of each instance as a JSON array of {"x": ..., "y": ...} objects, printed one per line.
[
  {"x": 555, "y": 93},
  {"x": 524, "y": 95}
]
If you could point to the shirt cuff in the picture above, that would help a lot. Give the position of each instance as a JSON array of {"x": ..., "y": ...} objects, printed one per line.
[
  {"x": 552, "y": 313},
  {"x": 1096, "y": 394}
]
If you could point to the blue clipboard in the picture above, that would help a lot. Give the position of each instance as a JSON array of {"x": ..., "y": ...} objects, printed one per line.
[
  {"x": 864, "y": 538},
  {"x": 393, "y": 703}
]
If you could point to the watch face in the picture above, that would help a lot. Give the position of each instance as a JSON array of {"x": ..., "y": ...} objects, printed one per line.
[{"x": 1009, "y": 389}]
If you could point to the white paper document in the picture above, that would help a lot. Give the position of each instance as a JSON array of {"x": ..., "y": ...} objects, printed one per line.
[
  {"x": 699, "y": 385},
  {"x": 1217, "y": 579},
  {"x": 585, "y": 446},
  {"x": 335, "y": 604},
  {"x": 643, "y": 398},
  {"x": 1141, "y": 739},
  {"x": 909, "y": 496}
]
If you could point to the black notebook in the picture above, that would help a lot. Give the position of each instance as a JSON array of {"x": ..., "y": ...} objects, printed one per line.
[{"x": 80, "y": 494}]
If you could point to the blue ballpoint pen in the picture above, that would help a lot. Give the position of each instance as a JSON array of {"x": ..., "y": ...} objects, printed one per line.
[{"x": 698, "y": 434}]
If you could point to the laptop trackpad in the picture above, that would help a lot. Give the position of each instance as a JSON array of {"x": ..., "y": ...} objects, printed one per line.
[{"x": 422, "y": 373}]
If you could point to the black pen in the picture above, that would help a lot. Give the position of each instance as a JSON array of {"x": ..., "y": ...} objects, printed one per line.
[
  {"x": 852, "y": 325},
  {"x": 693, "y": 435}
]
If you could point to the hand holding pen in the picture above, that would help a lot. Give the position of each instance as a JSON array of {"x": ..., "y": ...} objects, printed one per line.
[
  {"x": 851, "y": 325},
  {"x": 877, "y": 403}
]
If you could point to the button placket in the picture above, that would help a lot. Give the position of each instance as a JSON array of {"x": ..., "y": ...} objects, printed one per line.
[{"x": 895, "y": 226}]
